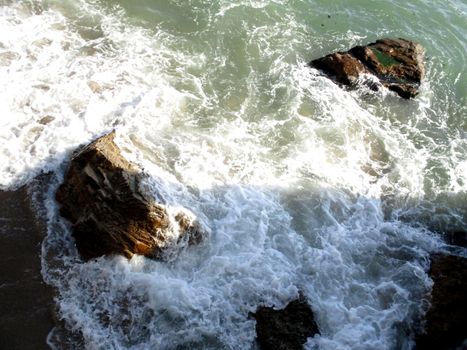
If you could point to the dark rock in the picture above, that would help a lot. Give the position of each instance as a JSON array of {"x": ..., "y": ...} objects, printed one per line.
[
  {"x": 285, "y": 329},
  {"x": 446, "y": 320},
  {"x": 397, "y": 63},
  {"x": 458, "y": 238},
  {"x": 100, "y": 196},
  {"x": 26, "y": 301}
]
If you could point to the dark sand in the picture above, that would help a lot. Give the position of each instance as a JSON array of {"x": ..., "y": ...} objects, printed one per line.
[{"x": 26, "y": 302}]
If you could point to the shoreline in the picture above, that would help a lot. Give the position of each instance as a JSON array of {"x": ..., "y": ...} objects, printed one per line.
[{"x": 26, "y": 301}]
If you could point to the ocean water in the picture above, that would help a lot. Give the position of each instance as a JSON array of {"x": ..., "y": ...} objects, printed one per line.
[{"x": 304, "y": 187}]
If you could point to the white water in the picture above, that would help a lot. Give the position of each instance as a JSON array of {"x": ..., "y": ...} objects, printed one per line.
[{"x": 301, "y": 185}]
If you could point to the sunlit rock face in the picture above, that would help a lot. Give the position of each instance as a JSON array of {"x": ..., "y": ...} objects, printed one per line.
[
  {"x": 397, "y": 63},
  {"x": 100, "y": 196}
]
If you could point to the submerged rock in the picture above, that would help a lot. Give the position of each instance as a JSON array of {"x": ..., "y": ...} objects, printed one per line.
[
  {"x": 446, "y": 320},
  {"x": 285, "y": 329},
  {"x": 397, "y": 63},
  {"x": 100, "y": 196}
]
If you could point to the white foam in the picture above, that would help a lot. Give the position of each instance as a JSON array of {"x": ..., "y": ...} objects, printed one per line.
[{"x": 78, "y": 87}]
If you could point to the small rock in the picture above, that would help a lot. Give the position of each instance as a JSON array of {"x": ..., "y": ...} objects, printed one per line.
[
  {"x": 285, "y": 329},
  {"x": 397, "y": 63},
  {"x": 109, "y": 214}
]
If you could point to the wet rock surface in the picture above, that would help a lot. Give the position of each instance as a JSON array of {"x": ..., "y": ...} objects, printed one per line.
[
  {"x": 285, "y": 329},
  {"x": 446, "y": 320},
  {"x": 458, "y": 238},
  {"x": 100, "y": 196},
  {"x": 26, "y": 301},
  {"x": 397, "y": 63}
]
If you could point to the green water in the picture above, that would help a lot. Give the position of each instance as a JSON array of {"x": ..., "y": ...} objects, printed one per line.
[
  {"x": 251, "y": 35},
  {"x": 249, "y": 45}
]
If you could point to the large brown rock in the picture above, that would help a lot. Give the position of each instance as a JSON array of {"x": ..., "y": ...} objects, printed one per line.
[
  {"x": 285, "y": 329},
  {"x": 397, "y": 63},
  {"x": 446, "y": 320},
  {"x": 109, "y": 214}
]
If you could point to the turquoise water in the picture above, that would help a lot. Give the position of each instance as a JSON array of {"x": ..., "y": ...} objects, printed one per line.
[{"x": 303, "y": 186}]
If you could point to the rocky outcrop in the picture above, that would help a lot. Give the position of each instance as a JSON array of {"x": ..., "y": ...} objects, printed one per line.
[
  {"x": 26, "y": 301},
  {"x": 446, "y": 319},
  {"x": 109, "y": 214},
  {"x": 397, "y": 63},
  {"x": 285, "y": 329}
]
